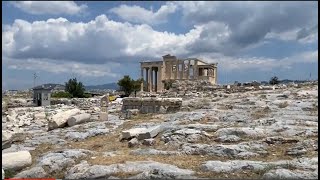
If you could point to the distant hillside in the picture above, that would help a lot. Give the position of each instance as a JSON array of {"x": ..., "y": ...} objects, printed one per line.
[
  {"x": 113, "y": 86},
  {"x": 285, "y": 81},
  {"x": 52, "y": 86}
]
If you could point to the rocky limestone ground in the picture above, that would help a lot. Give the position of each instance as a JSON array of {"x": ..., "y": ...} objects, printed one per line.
[{"x": 254, "y": 134}]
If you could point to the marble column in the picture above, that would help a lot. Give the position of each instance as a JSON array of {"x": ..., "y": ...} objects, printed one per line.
[
  {"x": 142, "y": 79},
  {"x": 156, "y": 79},
  {"x": 147, "y": 79},
  {"x": 177, "y": 70},
  {"x": 195, "y": 70},
  {"x": 159, "y": 77},
  {"x": 150, "y": 80}
]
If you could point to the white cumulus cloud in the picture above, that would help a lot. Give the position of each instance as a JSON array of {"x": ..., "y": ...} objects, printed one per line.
[
  {"x": 139, "y": 14},
  {"x": 97, "y": 41},
  {"x": 50, "y": 7}
]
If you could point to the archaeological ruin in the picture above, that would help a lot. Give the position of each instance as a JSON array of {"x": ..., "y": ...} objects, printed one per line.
[{"x": 156, "y": 73}]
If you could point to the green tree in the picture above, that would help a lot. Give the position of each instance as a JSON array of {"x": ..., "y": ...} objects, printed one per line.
[
  {"x": 75, "y": 88},
  {"x": 128, "y": 85},
  {"x": 274, "y": 80}
]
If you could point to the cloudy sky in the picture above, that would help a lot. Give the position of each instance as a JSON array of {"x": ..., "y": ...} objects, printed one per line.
[{"x": 99, "y": 42}]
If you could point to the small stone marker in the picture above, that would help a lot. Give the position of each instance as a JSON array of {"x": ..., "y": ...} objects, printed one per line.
[{"x": 104, "y": 108}]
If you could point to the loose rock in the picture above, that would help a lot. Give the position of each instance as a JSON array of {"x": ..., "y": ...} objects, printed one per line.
[
  {"x": 77, "y": 119},
  {"x": 133, "y": 142},
  {"x": 16, "y": 160}
]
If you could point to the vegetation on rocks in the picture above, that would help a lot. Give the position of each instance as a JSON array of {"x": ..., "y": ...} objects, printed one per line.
[
  {"x": 128, "y": 85},
  {"x": 274, "y": 80},
  {"x": 61, "y": 94},
  {"x": 75, "y": 88}
]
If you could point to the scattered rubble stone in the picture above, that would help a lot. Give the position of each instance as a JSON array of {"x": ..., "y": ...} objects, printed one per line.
[
  {"x": 16, "y": 160},
  {"x": 133, "y": 142},
  {"x": 237, "y": 123},
  {"x": 60, "y": 119},
  {"x": 148, "y": 142}
]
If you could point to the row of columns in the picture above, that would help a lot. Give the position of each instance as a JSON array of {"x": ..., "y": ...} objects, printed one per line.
[
  {"x": 206, "y": 72},
  {"x": 152, "y": 84}
]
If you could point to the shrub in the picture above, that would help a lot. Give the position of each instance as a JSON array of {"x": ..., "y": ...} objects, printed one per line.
[
  {"x": 75, "y": 88},
  {"x": 87, "y": 95},
  {"x": 128, "y": 85},
  {"x": 274, "y": 80},
  {"x": 9, "y": 173},
  {"x": 61, "y": 95}
]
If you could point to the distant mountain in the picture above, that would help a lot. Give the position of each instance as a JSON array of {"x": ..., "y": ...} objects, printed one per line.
[
  {"x": 286, "y": 81},
  {"x": 113, "y": 86}
]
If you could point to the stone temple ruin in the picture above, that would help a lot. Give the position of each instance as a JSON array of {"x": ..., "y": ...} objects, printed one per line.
[{"x": 156, "y": 73}]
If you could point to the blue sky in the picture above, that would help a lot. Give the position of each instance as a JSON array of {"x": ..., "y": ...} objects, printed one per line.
[{"x": 99, "y": 42}]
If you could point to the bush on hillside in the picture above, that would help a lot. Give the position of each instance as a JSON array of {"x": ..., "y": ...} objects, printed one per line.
[{"x": 61, "y": 95}]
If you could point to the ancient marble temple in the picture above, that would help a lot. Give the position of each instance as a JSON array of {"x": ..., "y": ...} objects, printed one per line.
[{"x": 156, "y": 73}]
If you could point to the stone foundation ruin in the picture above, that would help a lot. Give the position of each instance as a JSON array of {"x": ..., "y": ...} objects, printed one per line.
[{"x": 152, "y": 105}]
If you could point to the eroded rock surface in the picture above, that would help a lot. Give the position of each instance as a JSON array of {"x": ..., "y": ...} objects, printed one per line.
[{"x": 225, "y": 132}]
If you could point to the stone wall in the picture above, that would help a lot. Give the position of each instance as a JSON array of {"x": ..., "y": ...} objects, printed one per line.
[
  {"x": 82, "y": 103},
  {"x": 192, "y": 85},
  {"x": 152, "y": 105}
]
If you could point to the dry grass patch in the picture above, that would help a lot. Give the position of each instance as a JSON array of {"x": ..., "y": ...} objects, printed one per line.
[
  {"x": 138, "y": 119},
  {"x": 125, "y": 174},
  {"x": 112, "y": 141},
  {"x": 225, "y": 107},
  {"x": 40, "y": 150},
  {"x": 261, "y": 113},
  {"x": 283, "y": 105},
  {"x": 269, "y": 167},
  {"x": 141, "y": 116},
  {"x": 181, "y": 161},
  {"x": 277, "y": 152},
  {"x": 109, "y": 142},
  {"x": 204, "y": 120},
  {"x": 192, "y": 162}
]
